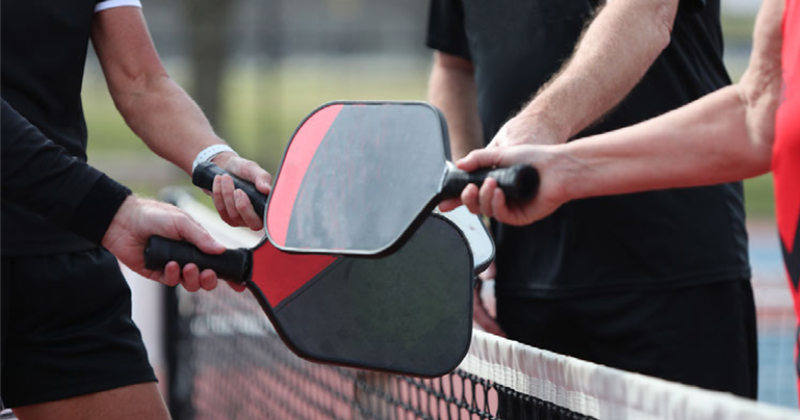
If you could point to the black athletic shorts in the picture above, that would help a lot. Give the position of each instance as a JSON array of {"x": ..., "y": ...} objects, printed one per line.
[
  {"x": 67, "y": 328},
  {"x": 702, "y": 335}
]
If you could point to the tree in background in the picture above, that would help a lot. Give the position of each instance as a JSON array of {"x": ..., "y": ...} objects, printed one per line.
[{"x": 208, "y": 22}]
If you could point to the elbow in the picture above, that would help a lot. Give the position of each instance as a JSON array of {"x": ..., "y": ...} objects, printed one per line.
[
  {"x": 130, "y": 93},
  {"x": 762, "y": 146},
  {"x": 759, "y": 94},
  {"x": 757, "y": 158},
  {"x": 663, "y": 18}
]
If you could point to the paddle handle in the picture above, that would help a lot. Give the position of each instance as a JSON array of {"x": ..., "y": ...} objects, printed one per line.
[
  {"x": 520, "y": 183},
  {"x": 232, "y": 265},
  {"x": 203, "y": 177}
]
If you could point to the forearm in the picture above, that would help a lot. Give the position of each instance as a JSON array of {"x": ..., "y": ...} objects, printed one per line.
[
  {"x": 612, "y": 56},
  {"x": 453, "y": 91},
  {"x": 163, "y": 115},
  {"x": 707, "y": 142},
  {"x": 153, "y": 105}
]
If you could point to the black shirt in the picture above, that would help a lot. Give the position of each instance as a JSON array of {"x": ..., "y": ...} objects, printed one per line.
[
  {"x": 44, "y": 45},
  {"x": 636, "y": 241}
]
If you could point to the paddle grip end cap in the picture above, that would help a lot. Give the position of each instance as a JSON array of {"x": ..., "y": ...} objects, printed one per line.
[{"x": 520, "y": 183}]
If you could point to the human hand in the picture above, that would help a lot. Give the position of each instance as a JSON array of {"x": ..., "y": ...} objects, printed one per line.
[
  {"x": 480, "y": 314},
  {"x": 526, "y": 129},
  {"x": 233, "y": 205},
  {"x": 490, "y": 200},
  {"x": 138, "y": 219}
]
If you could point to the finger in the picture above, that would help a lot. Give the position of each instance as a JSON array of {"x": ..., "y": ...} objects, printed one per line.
[
  {"x": 500, "y": 208},
  {"x": 219, "y": 202},
  {"x": 172, "y": 274},
  {"x": 250, "y": 171},
  {"x": 264, "y": 183},
  {"x": 208, "y": 279},
  {"x": 237, "y": 287},
  {"x": 191, "y": 278},
  {"x": 480, "y": 159},
  {"x": 489, "y": 273},
  {"x": 228, "y": 189},
  {"x": 485, "y": 196},
  {"x": 470, "y": 198},
  {"x": 485, "y": 321},
  {"x": 449, "y": 204},
  {"x": 191, "y": 231},
  {"x": 245, "y": 209}
]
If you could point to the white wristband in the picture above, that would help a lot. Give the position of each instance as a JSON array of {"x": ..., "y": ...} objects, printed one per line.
[{"x": 211, "y": 152}]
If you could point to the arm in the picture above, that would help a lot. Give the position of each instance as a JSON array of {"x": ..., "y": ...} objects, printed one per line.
[
  {"x": 614, "y": 53},
  {"x": 451, "y": 88},
  {"x": 42, "y": 177},
  {"x": 161, "y": 113},
  {"x": 725, "y": 136}
]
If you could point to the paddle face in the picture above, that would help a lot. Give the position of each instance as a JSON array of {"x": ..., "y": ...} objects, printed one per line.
[
  {"x": 409, "y": 313},
  {"x": 356, "y": 177}
]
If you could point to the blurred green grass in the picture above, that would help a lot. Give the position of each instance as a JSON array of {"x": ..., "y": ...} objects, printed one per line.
[{"x": 261, "y": 108}]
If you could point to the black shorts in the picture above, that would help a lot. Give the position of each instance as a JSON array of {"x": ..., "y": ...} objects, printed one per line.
[
  {"x": 703, "y": 335},
  {"x": 67, "y": 328}
]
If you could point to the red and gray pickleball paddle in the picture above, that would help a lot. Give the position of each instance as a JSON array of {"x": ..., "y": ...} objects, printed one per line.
[
  {"x": 358, "y": 177},
  {"x": 408, "y": 313}
]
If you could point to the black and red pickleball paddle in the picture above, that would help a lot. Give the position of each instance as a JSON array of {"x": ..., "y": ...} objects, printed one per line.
[
  {"x": 408, "y": 313},
  {"x": 357, "y": 177}
]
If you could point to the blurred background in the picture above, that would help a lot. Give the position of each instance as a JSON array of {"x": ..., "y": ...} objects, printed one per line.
[{"x": 257, "y": 67}]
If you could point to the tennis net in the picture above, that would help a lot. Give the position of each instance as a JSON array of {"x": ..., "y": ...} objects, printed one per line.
[{"x": 227, "y": 362}]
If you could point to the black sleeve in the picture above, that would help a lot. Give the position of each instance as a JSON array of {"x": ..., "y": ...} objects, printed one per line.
[
  {"x": 41, "y": 176},
  {"x": 691, "y": 6},
  {"x": 446, "y": 31}
]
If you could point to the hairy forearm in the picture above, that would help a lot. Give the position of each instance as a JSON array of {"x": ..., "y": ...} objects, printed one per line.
[
  {"x": 163, "y": 115},
  {"x": 453, "y": 91},
  {"x": 725, "y": 136},
  {"x": 612, "y": 56},
  {"x": 706, "y": 142}
]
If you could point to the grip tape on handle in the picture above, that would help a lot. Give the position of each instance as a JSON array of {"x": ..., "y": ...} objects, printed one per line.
[
  {"x": 203, "y": 177},
  {"x": 520, "y": 183},
  {"x": 232, "y": 265}
]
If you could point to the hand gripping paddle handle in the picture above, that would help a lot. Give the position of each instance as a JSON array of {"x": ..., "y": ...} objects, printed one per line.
[
  {"x": 232, "y": 265},
  {"x": 520, "y": 183},
  {"x": 203, "y": 177}
]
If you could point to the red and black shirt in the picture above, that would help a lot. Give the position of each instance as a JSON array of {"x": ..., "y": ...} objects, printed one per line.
[{"x": 786, "y": 152}]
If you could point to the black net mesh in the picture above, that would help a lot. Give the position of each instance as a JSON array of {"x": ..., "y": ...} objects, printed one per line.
[{"x": 228, "y": 363}]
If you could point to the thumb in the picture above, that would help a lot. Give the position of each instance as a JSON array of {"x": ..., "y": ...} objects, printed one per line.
[
  {"x": 192, "y": 232},
  {"x": 480, "y": 159}
]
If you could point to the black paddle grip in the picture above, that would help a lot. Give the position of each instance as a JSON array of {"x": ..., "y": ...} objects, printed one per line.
[
  {"x": 203, "y": 177},
  {"x": 520, "y": 183},
  {"x": 232, "y": 265}
]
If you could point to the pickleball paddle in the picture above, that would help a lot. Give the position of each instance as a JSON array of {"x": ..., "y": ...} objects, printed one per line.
[
  {"x": 407, "y": 313},
  {"x": 358, "y": 177},
  {"x": 478, "y": 238}
]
